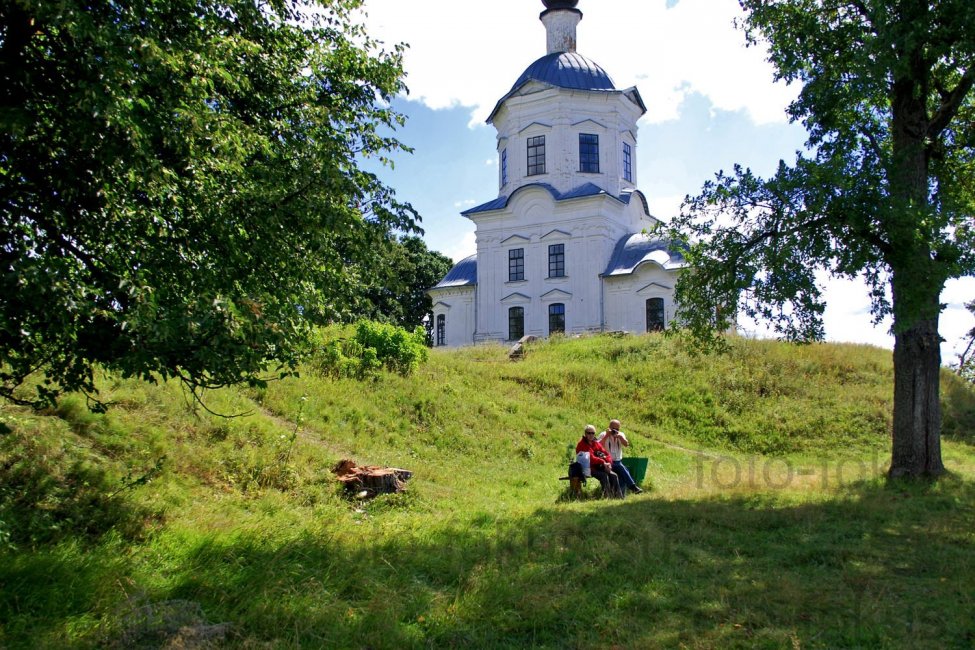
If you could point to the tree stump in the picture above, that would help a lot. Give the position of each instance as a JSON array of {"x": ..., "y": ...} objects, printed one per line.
[{"x": 371, "y": 479}]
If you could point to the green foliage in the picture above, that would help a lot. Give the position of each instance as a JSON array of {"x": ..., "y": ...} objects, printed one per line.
[
  {"x": 883, "y": 191},
  {"x": 181, "y": 182},
  {"x": 398, "y": 293},
  {"x": 872, "y": 196},
  {"x": 375, "y": 346}
]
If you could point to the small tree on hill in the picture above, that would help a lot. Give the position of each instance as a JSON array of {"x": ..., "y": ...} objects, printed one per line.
[
  {"x": 180, "y": 185},
  {"x": 885, "y": 191}
]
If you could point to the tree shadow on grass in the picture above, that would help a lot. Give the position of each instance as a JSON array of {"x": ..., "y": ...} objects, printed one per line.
[
  {"x": 40, "y": 591},
  {"x": 874, "y": 567}
]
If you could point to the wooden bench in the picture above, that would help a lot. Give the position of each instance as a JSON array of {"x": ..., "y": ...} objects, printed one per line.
[{"x": 576, "y": 480}]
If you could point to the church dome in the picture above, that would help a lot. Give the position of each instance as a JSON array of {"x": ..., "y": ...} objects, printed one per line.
[
  {"x": 567, "y": 70},
  {"x": 560, "y": 4}
]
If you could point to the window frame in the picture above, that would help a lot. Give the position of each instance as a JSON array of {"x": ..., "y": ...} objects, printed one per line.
[
  {"x": 657, "y": 326},
  {"x": 536, "y": 153},
  {"x": 441, "y": 329},
  {"x": 516, "y": 315},
  {"x": 556, "y": 317},
  {"x": 516, "y": 264},
  {"x": 588, "y": 153},
  {"x": 504, "y": 167},
  {"x": 556, "y": 260},
  {"x": 627, "y": 162}
]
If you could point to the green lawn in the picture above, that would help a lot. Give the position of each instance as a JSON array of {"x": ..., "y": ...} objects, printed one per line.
[{"x": 768, "y": 524}]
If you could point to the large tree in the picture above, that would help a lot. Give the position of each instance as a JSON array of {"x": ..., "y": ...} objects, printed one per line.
[
  {"x": 180, "y": 184},
  {"x": 885, "y": 190}
]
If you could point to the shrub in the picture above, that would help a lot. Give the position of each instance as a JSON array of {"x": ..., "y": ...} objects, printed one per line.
[
  {"x": 396, "y": 348},
  {"x": 374, "y": 346}
]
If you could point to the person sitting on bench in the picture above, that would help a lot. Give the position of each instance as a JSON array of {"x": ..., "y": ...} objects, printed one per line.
[
  {"x": 613, "y": 440},
  {"x": 600, "y": 463}
]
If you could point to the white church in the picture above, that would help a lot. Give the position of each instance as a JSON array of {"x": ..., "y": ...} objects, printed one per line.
[{"x": 565, "y": 245}]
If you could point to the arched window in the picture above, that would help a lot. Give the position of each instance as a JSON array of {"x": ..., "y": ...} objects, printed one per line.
[
  {"x": 556, "y": 318},
  {"x": 441, "y": 330},
  {"x": 655, "y": 314},
  {"x": 516, "y": 323}
]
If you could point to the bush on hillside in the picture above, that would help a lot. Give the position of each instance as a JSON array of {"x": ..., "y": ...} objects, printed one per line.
[{"x": 375, "y": 346}]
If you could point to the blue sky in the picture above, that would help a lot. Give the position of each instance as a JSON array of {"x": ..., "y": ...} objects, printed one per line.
[{"x": 711, "y": 103}]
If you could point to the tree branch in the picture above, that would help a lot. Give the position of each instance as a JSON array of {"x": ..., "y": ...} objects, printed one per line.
[
  {"x": 775, "y": 232},
  {"x": 873, "y": 141},
  {"x": 950, "y": 105}
]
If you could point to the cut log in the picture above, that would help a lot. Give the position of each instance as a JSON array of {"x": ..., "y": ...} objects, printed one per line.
[{"x": 371, "y": 479}]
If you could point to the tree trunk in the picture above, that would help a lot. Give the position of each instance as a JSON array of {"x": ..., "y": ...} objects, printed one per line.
[
  {"x": 917, "y": 276},
  {"x": 917, "y": 407}
]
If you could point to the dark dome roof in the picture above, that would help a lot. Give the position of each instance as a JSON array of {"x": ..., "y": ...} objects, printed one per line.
[
  {"x": 567, "y": 70},
  {"x": 464, "y": 273},
  {"x": 560, "y": 4}
]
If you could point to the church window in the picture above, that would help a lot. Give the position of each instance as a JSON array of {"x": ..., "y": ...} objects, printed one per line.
[
  {"x": 655, "y": 314},
  {"x": 504, "y": 167},
  {"x": 536, "y": 155},
  {"x": 516, "y": 264},
  {"x": 556, "y": 318},
  {"x": 441, "y": 330},
  {"x": 589, "y": 153},
  {"x": 516, "y": 323},
  {"x": 556, "y": 261},
  {"x": 627, "y": 162}
]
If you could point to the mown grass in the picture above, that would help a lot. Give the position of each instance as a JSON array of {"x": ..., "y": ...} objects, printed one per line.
[{"x": 768, "y": 524}]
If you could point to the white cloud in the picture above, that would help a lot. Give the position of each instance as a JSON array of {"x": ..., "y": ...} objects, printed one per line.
[
  {"x": 466, "y": 203},
  {"x": 848, "y": 319},
  {"x": 460, "y": 56},
  {"x": 463, "y": 247},
  {"x": 665, "y": 207}
]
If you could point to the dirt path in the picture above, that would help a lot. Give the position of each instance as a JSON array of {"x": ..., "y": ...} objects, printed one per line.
[{"x": 305, "y": 433}]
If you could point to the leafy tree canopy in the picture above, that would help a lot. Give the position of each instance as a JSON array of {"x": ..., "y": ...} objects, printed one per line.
[
  {"x": 885, "y": 190},
  {"x": 180, "y": 184},
  {"x": 398, "y": 294}
]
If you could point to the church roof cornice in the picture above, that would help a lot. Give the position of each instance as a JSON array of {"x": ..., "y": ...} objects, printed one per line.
[{"x": 584, "y": 191}]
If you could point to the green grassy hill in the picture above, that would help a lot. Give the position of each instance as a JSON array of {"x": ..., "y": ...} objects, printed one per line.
[{"x": 768, "y": 523}]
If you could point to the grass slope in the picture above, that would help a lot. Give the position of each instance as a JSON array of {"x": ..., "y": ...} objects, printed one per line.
[{"x": 768, "y": 525}]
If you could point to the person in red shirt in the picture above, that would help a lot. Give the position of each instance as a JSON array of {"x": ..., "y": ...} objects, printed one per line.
[{"x": 600, "y": 463}]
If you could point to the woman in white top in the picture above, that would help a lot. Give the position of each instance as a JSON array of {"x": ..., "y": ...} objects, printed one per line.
[{"x": 614, "y": 440}]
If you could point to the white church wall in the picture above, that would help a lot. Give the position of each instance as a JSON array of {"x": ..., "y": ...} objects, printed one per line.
[
  {"x": 456, "y": 305},
  {"x": 533, "y": 222},
  {"x": 626, "y": 297},
  {"x": 561, "y": 115}
]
